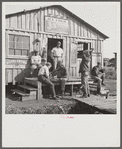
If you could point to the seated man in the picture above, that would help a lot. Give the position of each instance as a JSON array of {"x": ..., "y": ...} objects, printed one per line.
[
  {"x": 35, "y": 62},
  {"x": 61, "y": 73},
  {"x": 98, "y": 74},
  {"x": 43, "y": 76}
]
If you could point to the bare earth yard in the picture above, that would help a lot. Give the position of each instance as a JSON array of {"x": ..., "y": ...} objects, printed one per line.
[{"x": 66, "y": 105}]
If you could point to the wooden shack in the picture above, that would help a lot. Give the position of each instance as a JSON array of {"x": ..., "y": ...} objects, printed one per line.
[{"x": 49, "y": 24}]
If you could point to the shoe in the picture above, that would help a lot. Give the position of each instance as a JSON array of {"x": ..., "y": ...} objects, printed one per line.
[
  {"x": 103, "y": 84},
  {"x": 88, "y": 95},
  {"x": 54, "y": 98},
  {"x": 84, "y": 96}
]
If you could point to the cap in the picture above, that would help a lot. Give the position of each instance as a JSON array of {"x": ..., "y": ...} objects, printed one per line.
[
  {"x": 48, "y": 64},
  {"x": 98, "y": 63},
  {"x": 43, "y": 60},
  {"x": 36, "y": 51}
]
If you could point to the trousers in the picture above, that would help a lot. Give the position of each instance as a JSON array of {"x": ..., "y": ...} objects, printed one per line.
[
  {"x": 84, "y": 82},
  {"x": 47, "y": 81},
  {"x": 56, "y": 59},
  {"x": 100, "y": 79}
]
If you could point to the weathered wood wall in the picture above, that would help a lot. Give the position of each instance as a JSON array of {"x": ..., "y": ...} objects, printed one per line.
[{"x": 27, "y": 23}]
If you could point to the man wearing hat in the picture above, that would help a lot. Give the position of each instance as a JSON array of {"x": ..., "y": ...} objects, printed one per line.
[
  {"x": 57, "y": 54},
  {"x": 35, "y": 61},
  {"x": 62, "y": 74},
  {"x": 43, "y": 76},
  {"x": 84, "y": 70},
  {"x": 98, "y": 74}
]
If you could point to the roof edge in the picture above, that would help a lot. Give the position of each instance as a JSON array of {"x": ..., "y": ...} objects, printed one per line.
[{"x": 93, "y": 28}]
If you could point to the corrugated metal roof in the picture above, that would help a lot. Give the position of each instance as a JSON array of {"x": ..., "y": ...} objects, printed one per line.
[{"x": 72, "y": 14}]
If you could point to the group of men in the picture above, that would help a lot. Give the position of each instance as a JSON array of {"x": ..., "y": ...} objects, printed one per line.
[
  {"x": 40, "y": 63},
  {"x": 60, "y": 71}
]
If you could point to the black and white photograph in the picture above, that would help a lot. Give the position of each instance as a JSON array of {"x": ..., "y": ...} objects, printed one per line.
[{"x": 61, "y": 60}]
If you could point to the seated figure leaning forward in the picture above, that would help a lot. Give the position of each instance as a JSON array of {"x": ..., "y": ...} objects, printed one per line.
[
  {"x": 98, "y": 74},
  {"x": 61, "y": 73},
  {"x": 43, "y": 76},
  {"x": 57, "y": 54},
  {"x": 35, "y": 62}
]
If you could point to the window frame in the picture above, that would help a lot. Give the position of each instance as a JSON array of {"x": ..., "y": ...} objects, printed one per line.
[{"x": 7, "y": 45}]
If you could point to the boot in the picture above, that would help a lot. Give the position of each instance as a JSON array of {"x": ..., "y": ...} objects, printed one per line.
[{"x": 98, "y": 90}]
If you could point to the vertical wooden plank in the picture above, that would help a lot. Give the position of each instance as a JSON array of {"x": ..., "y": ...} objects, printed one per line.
[
  {"x": 64, "y": 50},
  {"x": 49, "y": 11},
  {"x": 82, "y": 30},
  {"x": 10, "y": 22},
  {"x": 71, "y": 90},
  {"x": 72, "y": 28},
  {"x": 53, "y": 11},
  {"x": 42, "y": 20},
  {"x": 75, "y": 28},
  {"x": 23, "y": 21},
  {"x": 34, "y": 18},
  {"x": 31, "y": 21},
  {"x": 79, "y": 30},
  {"x": 7, "y": 22},
  {"x": 61, "y": 13},
  {"x": 19, "y": 21},
  {"x": 67, "y": 60},
  {"x": 9, "y": 75},
  {"x": 13, "y": 77},
  {"x": 39, "y": 92},
  {"x": 27, "y": 17},
  {"x": 45, "y": 11},
  {"x": 6, "y": 76},
  {"x": 14, "y": 22},
  {"x": 6, "y": 45},
  {"x": 56, "y": 12},
  {"x": 38, "y": 21}
]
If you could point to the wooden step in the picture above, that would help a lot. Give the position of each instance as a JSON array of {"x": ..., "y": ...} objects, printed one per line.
[
  {"x": 28, "y": 87},
  {"x": 19, "y": 92}
]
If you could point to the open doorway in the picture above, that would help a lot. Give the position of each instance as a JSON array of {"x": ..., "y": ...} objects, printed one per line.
[{"x": 51, "y": 44}]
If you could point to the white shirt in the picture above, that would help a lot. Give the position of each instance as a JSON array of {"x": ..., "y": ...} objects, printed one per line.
[
  {"x": 44, "y": 71},
  {"x": 36, "y": 59},
  {"x": 57, "y": 51}
]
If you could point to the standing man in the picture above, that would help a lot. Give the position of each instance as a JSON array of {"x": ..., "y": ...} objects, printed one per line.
[
  {"x": 57, "y": 54},
  {"x": 43, "y": 76},
  {"x": 98, "y": 74},
  {"x": 35, "y": 61},
  {"x": 84, "y": 70}
]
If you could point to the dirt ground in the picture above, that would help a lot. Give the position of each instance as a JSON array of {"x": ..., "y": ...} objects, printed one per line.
[{"x": 66, "y": 105}]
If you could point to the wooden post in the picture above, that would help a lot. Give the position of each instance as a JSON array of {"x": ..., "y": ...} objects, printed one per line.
[
  {"x": 39, "y": 91},
  {"x": 71, "y": 89}
]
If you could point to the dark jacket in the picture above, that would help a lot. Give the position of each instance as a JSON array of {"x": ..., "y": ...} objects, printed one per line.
[
  {"x": 95, "y": 71},
  {"x": 61, "y": 72}
]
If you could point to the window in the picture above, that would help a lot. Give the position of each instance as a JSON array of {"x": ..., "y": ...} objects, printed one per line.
[
  {"x": 19, "y": 45},
  {"x": 80, "y": 49}
]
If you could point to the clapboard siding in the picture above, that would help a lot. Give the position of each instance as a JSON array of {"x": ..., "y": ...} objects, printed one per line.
[
  {"x": 30, "y": 20},
  {"x": 27, "y": 23}
]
